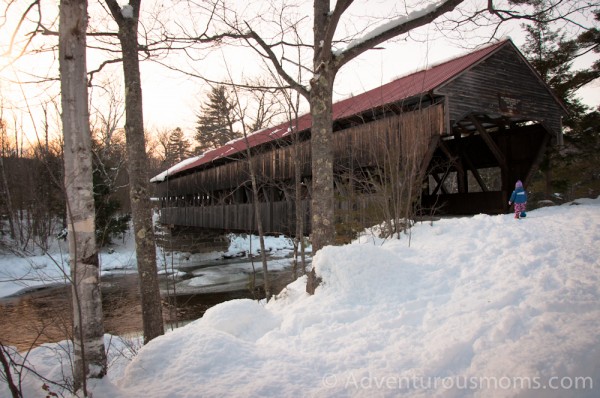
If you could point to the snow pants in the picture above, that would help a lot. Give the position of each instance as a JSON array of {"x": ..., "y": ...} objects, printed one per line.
[{"x": 520, "y": 207}]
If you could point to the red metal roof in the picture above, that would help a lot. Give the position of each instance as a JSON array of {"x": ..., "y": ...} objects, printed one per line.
[{"x": 400, "y": 89}]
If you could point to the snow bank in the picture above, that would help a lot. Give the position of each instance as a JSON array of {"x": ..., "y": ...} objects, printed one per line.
[
  {"x": 480, "y": 306},
  {"x": 21, "y": 273},
  {"x": 484, "y": 306},
  {"x": 54, "y": 363},
  {"x": 279, "y": 246}
]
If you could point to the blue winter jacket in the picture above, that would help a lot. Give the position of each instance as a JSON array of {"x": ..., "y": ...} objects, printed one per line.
[{"x": 518, "y": 196}]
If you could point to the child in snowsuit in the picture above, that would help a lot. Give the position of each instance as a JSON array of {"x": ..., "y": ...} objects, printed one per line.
[{"x": 519, "y": 198}]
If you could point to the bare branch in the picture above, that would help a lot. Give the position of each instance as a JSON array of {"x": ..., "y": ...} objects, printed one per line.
[
  {"x": 271, "y": 55},
  {"x": 332, "y": 23},
  {"x": 396, "y": 28},
  {"x": 542, "y": 15},
  {"x": 36, "y": 3},
  {"x": 217, "y": 82},
  {"x": 100, "y": 67}
]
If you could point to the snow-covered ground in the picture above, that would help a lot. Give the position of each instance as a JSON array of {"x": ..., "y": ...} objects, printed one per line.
[
  {"x": 19, "y": 273},
  {"x": 484, "y": 306}
]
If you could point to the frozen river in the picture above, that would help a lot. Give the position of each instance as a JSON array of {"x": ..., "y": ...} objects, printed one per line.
[{"x": 42, "y": 314}]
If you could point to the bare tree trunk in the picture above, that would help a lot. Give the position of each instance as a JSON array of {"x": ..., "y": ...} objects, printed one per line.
[
  {"x": 88, "y": 330},
  {"x": 5, "y": 186},
  {"x": 299, "y": 240},
  {"x": 5, "y": 361},
  {"x": 256, "y": 203},
  {"x": 7, "y": 196},
  {"x": 257, "y": 215},
  {"x": 139, "y": 184},
  {"x": 321, "y": 95},
  {"x": 323, "y": 228}
]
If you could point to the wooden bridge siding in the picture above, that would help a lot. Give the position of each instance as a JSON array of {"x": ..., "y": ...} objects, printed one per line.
[
  {"x": 410, "y": 133},
  {"x": 277, "y": 164},
  {"x": 277, "y": 217},
  {"x": 362, "y": 144},
  {"x": 506, "y": 74}
]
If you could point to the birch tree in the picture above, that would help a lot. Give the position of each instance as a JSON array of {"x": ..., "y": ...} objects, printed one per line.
[{"x": 88, "y": 330}]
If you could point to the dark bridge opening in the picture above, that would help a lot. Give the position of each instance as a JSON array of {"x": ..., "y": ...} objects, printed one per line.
[{"x": 475, "y": 171}]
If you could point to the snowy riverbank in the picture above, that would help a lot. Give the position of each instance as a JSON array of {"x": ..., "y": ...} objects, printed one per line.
[
  {"x": 484, "y": 306},
  {"x": 17, "y": 274}
]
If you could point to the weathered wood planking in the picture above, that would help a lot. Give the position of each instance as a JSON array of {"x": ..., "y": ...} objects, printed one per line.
[
  {"x": 277, "y": 217},
  {"x": 363, "y": 144},
  {"x": 505, "y": 74}
]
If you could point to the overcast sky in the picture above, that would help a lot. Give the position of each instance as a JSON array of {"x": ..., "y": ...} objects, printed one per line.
[
  {"x": 172, "y": 102},
  {"x": 172, "y": 99}
]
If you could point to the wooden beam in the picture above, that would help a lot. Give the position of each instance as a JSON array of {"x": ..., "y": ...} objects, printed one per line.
[
  {"x": 461, "y": 176},
  {"x": 440, "y": 182},
  {"x": 475, "y": 172},
  {"x": 462, "y": 130},
  {"x": 490, "y": 143},
  {"x": 454, "y": 160},
  {"x": 446, "y": 151},
  {"x": 433, "y": 144},
  {"x": 537, "y": 160}
]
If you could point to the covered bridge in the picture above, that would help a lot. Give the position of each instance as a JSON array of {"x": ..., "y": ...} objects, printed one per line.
[{"x": 464, "y": 130}]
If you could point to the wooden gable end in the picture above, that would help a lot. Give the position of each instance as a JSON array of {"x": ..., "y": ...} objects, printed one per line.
[{"x": 503, "y": 85}]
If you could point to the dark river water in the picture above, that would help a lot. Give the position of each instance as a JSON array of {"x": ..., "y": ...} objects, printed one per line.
[{"x": 44, "y": 315}]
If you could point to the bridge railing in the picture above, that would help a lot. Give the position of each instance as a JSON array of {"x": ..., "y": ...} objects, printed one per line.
[{"x": 277, "y": 217}]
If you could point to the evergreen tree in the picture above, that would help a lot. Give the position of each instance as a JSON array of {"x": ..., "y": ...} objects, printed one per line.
[
  {"x": 178, "y": 147},
  {"x": 215, "y": 123},
  {"x": 109, "y": 164},
  {"x": 109, "y": 220},
  {"x": 552, "y": 55},
  {"x": 588, "y": 131},
  {"x": 569, "y": 169}
]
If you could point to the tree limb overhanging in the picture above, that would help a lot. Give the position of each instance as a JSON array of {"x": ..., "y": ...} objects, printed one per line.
[
  {"x": 31, "y": 35},
  {"x": 396, "y": 28},
  {"x": 91, "y": 73},
  {"x": 271, "y": 55}
]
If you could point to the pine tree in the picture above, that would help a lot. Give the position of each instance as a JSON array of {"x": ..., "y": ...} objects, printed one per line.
[
  {"x": 215, "y": 123},
  {"x": 110, "y": 221},
  {"x": 552, "y": 55},
  {"x": 178, "y": 147},
  {"x": 109, "y": 164}
]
